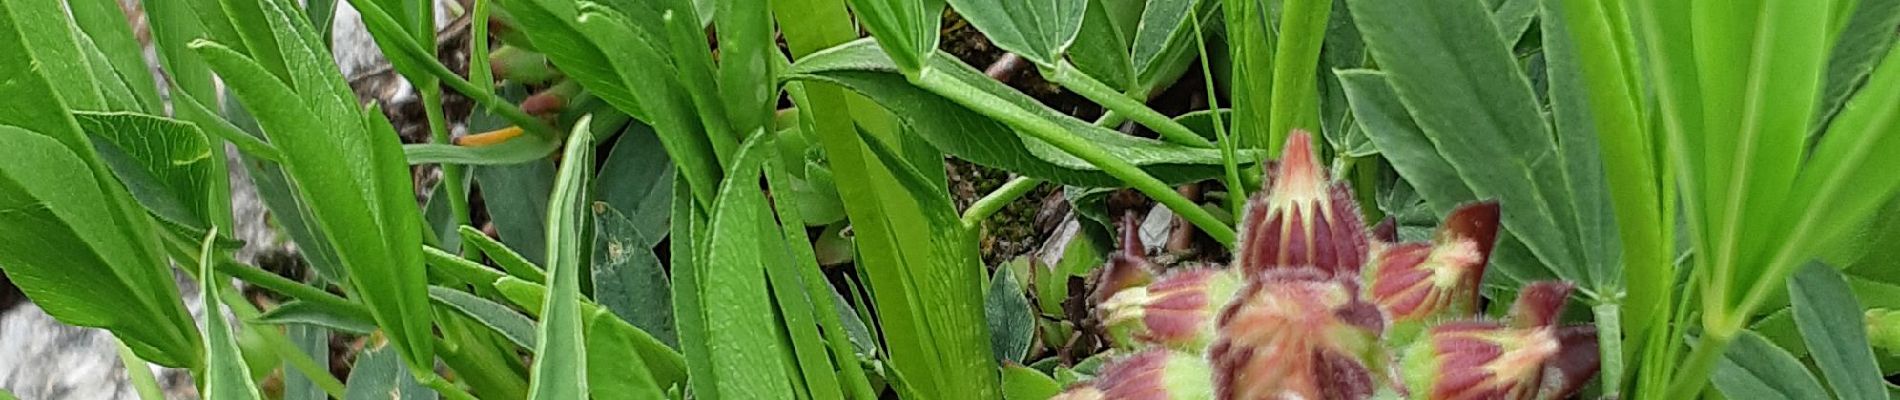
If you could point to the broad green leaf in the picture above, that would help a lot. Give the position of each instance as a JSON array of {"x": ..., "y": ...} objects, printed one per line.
[
  {"x": 1447, "y": 65},
  {"x": 301, "y": 313},
  {"x": 1040, "y": 31},
  {"x": 747, "y": 352},
  {"x": 518, "y": 329},
  {"x": 51, "y": 43},
  {"x": 1024, "y": 383},
  {"x": 1164, "y": 43},
  {"x": 379, "y": 374},
  {"x": 1753, "y": 368},
  {"x": 1857, "y": 46},
  {"x": 165, "y": 163},
  {"x": 1012, "y": 323},
  {"x": 1101, "y": 47},
  {"x": 560, "y": 363},
  {"x": 962, "y": 132},
  {"x": 226, "y": 376},
  {"x": 637, "y": 180},
  {"x": 908, "y": 28},
  {"x": 347, "y": 164},
  {"x": 614, "y": 366},
  {"x": 628, "y": 278},
  {"x": 58, "y": 245},
  {"x": 515, "y": 263},
  {"x": 515, "y": 195},
  {"x": 1831, "y": 324}
]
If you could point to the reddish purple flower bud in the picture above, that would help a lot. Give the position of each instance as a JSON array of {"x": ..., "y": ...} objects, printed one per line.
[
  {"x": 1157, "y": 374},
  {"x": 1482, "y": 360},
  {"x": 1176, "y": 311},
  {"x": 1297, "y": 334},
  {"x": 1126, "y": 269},
  {"x": 1303, "y": 219},
  {"x": 1419, "y": 283}
]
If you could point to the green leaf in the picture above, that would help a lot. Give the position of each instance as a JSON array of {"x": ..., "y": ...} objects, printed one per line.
[
  {"x": 226, "y": 376},
  {"x": 689, "y": 315},
  {"x": 560, "y": 363},
  {"x": 1295, "y": 97},
  {"x": 628, "y": 278},
  {"x": 1841, "y": 184},
  {"x": 525, "y": 148},
  {"x": 51, "y": 43},
  {"x": 1012, "y": 324},
  {"x": 1867, "y": 36},
  {"x": 518, "y": 329},
  {"x": 1101, "y": 46},
  {"x": 347, "y": 164},
  {"x": 1831, "y": 324},
  {"x": 313, "y": 342},
  {"x": 106, "y": 27},
  {"x": 379, "y": 374},
  {"x": 665, "y": 364},
  {"x": 615, "y": 369},
  {"x": 1024, "y": 383},
  {"x": 1164, "y": 42},
  {"x": 1447, "y": 65},
  {"x": 748, "y": 48},
  {"x": 907, "y": 28},
  {"x": 1753, "y": 368},
  {"x": 58, "y": 245},
  {"x": 516, "y": 264},
  {"x": 297, "y": 312},
  {"x": 807, "y": 305},
  {"x": 1040, "y": 31},
  {"x": 962, "y": 132},
  {"x": 165, "y": 163},
  {"x": 637, "y": 180},
  {"x": 747, "y": 353}
]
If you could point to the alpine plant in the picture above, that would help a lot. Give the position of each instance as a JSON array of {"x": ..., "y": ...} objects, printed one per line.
[{"x": 1317, "y": 307}]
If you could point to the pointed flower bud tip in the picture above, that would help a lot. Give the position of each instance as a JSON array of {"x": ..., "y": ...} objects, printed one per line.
[{"x": 1304, "y": 219}]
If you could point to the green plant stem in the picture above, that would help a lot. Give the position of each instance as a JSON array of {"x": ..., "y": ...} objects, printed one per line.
[
  {"x": 1070, "y": 78},
  {"x": 459, "y": 267},
  {"x": 479, "y": 72},
  {"x": 444, "y": 387},
  {"x": 1610, "y": 343},
  {"x": 984, "y": 207},
  {"x": 1694, "y": 372},
  {"x": 140, "y": 374},
  {"x": 451, "y": 173},
  {"x": 1236, "y": 192},
  {"x": 1048, "y": 131},
  {"x": 1295, "y": 102},
  {"x": 278, "y": 343},
  {"x": 1110, "y": 119},
  {"x": 293, "y": 289},
  {"x": 409, "y": 47}
]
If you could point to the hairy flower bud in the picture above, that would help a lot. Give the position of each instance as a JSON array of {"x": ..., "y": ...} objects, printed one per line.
[
  {"x": 1176, "y": 311},
  {"x": 1304, "y": 219},
  {"x": 1417, "y": 283},
  {"x": 1529, "y": 358},
  {"x": 1297, "y": 334},
  {"x": 1157, "y": 374}
]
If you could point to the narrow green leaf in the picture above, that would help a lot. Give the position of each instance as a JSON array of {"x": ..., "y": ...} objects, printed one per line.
[
  {"x": 313, "y": 342},
  {"x": 962, "y": 132},
  {"x": 1754, "y": 368},
  {"x": 301, "y": 313},
  {"x": 628, "y": 278},
  {"x": 1867, "y": 36},
  {"x": 518, "y": 329},
  {"x": 226, "y": 376},
  {"x": 516, "y": 264},
  {"x": 810, "y": 300},
  {"x": 50, "y": 41},
  {"x": 747, "y": 49},
  {"x": 1040, "y": 31},
  {"x": 747, "y": 353},
  {"x": 637, "y": 180},
  {"x": 1842, "y": 182},
  {"x": 1101, "y": 47},
  {"x": 1011, "y": 322},
  {"x": 665, "y": 364},
  {"x": 1251, "y": 46},
  {"x": 688, "y": 313},
  {"x": 106, "y": 26},
  {"x": 1164, "y": 42},
  {"x": 1295, "y": 103},
  {"x": 560, "y": 363},
  {"x": 1831, "y": 324},
  {"x": 521, "y": 149}
]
